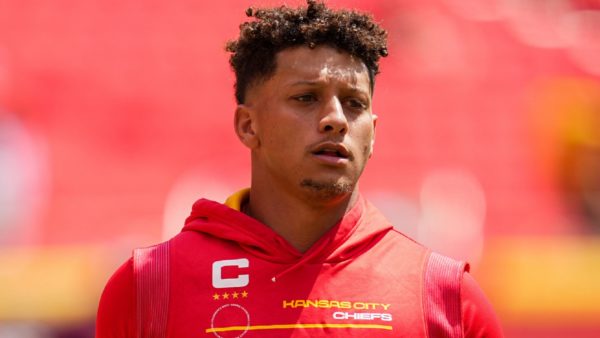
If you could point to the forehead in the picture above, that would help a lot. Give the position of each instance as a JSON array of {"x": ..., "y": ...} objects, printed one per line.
[{"x": 322, "y": 63}]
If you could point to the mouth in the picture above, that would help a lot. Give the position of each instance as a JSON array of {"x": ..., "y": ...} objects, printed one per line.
[{"x": 333, "y": 153}]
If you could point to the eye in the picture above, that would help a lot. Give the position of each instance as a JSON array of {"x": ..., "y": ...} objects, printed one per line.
[
  {"x": 355, "y": 103},
  {"x": 305, "y": 98}
]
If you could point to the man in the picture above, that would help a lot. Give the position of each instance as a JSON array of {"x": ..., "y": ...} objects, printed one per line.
[{"x": 301, "y": 253}]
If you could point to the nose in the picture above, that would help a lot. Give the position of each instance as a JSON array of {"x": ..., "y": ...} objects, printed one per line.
[{"x": 333, "y": 119}]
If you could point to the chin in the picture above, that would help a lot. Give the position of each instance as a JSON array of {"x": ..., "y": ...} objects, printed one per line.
[{"x": 328, "y": 189}]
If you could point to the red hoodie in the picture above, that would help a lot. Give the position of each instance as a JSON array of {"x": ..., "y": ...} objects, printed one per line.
[{"x": 232, "y": 276}]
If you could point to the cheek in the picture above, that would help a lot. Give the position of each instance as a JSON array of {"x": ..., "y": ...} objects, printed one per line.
[
  {"x": 281, "y": 134},
  {"x": 366, "y": 132},
  {"x": 272, "y": 138},
  {"x": 289, "y": 122},
  {"x": 365, "y": 138}
]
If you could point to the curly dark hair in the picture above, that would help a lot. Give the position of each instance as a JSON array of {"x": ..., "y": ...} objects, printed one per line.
[{"x": 275, "y": 29}]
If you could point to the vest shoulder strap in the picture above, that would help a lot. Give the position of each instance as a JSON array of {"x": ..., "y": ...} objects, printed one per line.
[
  {"x": 442, "y": 300},
  {"x": 151, "y": 274}
]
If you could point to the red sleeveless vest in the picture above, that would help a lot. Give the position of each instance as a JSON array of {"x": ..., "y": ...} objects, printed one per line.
[{"x": 199, "y": 286}]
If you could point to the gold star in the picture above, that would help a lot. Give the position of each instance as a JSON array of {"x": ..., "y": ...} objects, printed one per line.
[
  {"x": 216, "y": 296},
  {"x": 244, "y": 294},
  {"x": 225, "y": 295},
  {"x": 235, "y": 295}
]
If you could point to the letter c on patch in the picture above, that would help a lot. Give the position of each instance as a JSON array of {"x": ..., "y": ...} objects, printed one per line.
[{"x": 240, "y": 281}]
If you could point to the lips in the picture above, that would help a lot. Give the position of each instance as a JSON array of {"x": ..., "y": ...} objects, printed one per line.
[{"x": 331, "y": 152}]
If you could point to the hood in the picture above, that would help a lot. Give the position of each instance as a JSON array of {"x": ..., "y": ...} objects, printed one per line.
[{"x": 360, "y": 228}]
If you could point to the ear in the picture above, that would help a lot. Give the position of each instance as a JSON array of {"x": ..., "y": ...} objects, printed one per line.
[
  {"x": 245, "y": 126},
  {"x": 373, "y": 137}
]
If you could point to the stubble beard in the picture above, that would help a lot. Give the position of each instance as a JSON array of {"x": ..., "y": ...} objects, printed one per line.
[
  {"x": 333, "y": 189},
  {"x": 327, "y": 190}
]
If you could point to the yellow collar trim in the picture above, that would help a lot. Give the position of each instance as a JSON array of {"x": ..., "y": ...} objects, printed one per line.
[{"x": 236, "y": 200}]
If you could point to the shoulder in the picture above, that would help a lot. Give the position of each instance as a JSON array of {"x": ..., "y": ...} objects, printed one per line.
[
  {"x": 117, "y": 305},
  {"x": 147, "y": 269},
  {"x": 402, "y": 247},
  {"x": 454, "y": 303},
  {"x": 478, "y": 316}
]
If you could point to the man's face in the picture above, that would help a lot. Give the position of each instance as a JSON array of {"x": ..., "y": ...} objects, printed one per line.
[{"x": 311, "y": 123}]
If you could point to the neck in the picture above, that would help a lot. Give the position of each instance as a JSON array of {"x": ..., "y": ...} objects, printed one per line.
[{"x": 299, "y": 220}]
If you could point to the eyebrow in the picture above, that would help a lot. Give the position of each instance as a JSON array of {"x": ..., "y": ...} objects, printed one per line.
[
  {"x": 305, "y": 82},
  {"x": 318, "y": 82}
]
